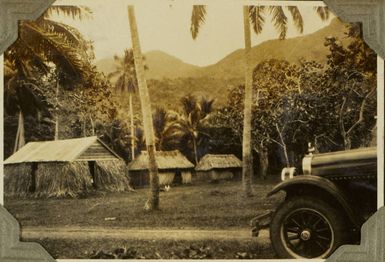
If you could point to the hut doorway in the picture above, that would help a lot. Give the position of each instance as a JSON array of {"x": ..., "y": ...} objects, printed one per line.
[
  {"x": 91, "y": 165},
  {"x": 178, "y": 178}
]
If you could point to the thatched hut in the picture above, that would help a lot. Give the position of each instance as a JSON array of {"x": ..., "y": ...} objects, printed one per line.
[
  {"x": 173, "y": 168},
  {"x": 64, "y": 168},
  {"x": 218, "y": 167}
]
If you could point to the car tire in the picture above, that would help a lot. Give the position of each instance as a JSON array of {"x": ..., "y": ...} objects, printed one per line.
[{"x": 306, "y": 227}]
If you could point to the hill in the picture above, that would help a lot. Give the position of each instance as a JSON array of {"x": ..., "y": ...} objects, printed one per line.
[
  {"x": 311, "y": 47},
  {"x": 169, "y": 78},
  {"x": 160, "y": 65}
]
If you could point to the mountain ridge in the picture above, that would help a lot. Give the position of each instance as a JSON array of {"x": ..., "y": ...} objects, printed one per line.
[{"x": 311, "y": 47}]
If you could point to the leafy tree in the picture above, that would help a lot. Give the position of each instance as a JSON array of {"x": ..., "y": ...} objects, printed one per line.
[
  {"x": 298, "y": 104},
  {"x": 277, "y": 116},
  {"x": 255, "y": 15},
  {"x": 42, "y": 43}
]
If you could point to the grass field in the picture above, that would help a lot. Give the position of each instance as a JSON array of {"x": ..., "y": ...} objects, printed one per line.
[{"x": 199, "y": 206}]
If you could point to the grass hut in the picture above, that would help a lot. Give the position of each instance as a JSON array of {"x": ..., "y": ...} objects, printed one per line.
[
  {"x": 64, "y": 168},
  {"x": 218, "y": 167},
  {"x": 173, "y": 168}
]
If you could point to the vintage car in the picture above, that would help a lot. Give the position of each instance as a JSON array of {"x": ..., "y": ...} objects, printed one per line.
[{"x": 325, "y": 206}]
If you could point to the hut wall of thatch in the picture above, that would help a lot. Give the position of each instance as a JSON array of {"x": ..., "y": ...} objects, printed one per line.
[
  {"x": 186, "y": 177},
  {"x": 111, "y": 175},
  {"x": 63, "y": 179},
  {"x": 166, "y": 177},
  {"x": 216, "y": 175},
  {"x": 17, "y": 179},
  {"x": 64, "y": 168},
  {"x": 202, "y": 176},
  {"x": 221, "y": 174}
]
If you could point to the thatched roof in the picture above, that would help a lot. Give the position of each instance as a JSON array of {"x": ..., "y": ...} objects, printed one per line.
[
  {"x": 164, "y": 160},
  {"x": 87, "y": 148},
  {"x": 209, "y": 162}
]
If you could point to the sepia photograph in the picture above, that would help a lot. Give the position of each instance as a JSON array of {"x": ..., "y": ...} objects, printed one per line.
[{"x": 174, "y": 130}]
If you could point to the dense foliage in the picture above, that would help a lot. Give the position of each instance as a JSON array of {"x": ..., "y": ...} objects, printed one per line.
[{"x": 332, "y": 106}]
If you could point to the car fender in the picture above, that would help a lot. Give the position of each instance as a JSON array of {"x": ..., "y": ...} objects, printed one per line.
[{"x": 323, "y": 184}]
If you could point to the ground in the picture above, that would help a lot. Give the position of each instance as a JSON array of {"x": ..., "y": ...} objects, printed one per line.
[{"x": 197, "y": 221}]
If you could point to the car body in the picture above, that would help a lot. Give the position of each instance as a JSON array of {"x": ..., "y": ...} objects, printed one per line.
[{"x": 325, "y": 206}]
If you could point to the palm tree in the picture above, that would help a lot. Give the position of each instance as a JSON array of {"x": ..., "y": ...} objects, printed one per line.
[
  {"x": 125, "y": 69},
  {"x": 153, "y": 201},
  {"x": 190, "y": 122},
  {"x": 41, "y": 43},
  {"x": 255, "y": 15},
  {"x": 166, "y": 132}
]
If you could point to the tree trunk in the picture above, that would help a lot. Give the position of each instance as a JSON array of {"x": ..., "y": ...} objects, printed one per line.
[
  {"x": 57, "y": 112},
  {"x": 132, "y": 128},
  {"x": 195, "y": 150},
  {"x": 84, "y": 126},
  {"x": 92, "y": 126},
  {"x": 20, "y": 134},
  {"x": 153, "y": 201},
  {"x": 247, "y": 158},
  {"x": 263, "y": 162}
]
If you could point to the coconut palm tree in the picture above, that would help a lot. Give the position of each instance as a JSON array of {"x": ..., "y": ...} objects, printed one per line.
[
  {"x": 153, "y": 201},
  {"x": 256, "y": 16},
  {"x": 42, "y": 43},
  {"x": 189, "y": 124},
  {"x": 166, "y": 132},
  {"x": 126, "y": 83}
]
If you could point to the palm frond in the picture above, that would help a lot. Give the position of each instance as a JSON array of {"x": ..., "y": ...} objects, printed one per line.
[
  {"x": 132, "y": 85},
  {"x": 120, "y": 85},
  {"x": 206, "y": 106},
  {"x": 257, "y": 18},
  {"x": 280, "y": 20},
  {"x": 189, "y": 104},
  {"x": 297, "y": 17},
  {"x": 197, "y": 19},
  {"x": 159, "y": 120},
  {"x": 125, "y": 67},
  {"x": 323, "y": 12},
  {"x": 55, "y": 49},
  {"x": 76, "y": 12},
  {"x": 113, "y": 74},
  {"x": 68, "y": 32},
  {"x": 9, "y": 70}
]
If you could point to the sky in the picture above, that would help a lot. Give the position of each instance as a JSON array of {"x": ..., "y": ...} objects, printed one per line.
[{"x": 165, "y": 26}]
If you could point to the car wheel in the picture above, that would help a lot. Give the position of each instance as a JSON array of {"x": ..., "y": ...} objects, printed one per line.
[{"x": 306, "y": 227}]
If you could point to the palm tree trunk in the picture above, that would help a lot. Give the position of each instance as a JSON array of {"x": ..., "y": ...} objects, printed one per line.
[
  {"x": 153, "y": 201},
  {"x": 20, "y": 134},
  {"x": 195, "y": 150},
  {"x": 132, "y": 128},
  {"x": 247, "y": 157},
  {"x": 92, "y": 126},
  {"x": 57, "y": 112}
]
